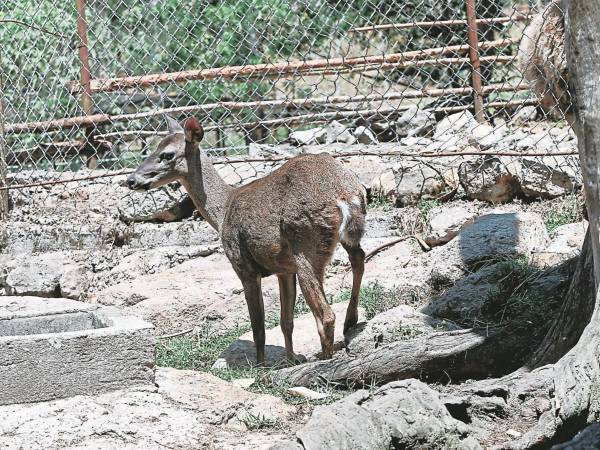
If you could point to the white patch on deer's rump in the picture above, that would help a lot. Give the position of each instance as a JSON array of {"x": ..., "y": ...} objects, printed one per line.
[
  {"x": 356, "y": 201},
  {"x": 345, "y": 210}
]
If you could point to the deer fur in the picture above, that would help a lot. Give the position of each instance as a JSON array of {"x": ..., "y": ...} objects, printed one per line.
[{"x": 285, "y": 224}]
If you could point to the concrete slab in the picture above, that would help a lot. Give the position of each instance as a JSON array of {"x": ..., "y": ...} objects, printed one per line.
[{"x": 57, "y": 348}]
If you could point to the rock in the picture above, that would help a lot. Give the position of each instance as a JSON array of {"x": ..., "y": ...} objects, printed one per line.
[
  {"x": 152, "y": 235},
  {"x": 309, "y": 394},
  {"x": 446, "y": 222},
  {"x": 201, "y": 289},
  {"x": 269, "y": 150},
  {"x": 365, "y": 136},
  {"x": 407, "y": 413},
  {"x": 242, "y": 353},
  {"x": 588, "y": 439},
  {"x": 244, "y": 383},
  {"x": 487, "y": 136},
  {"x": 308, "y": 137},
  {"x": 524, "y": 115},
  {"x": 156, "y": 260},
  {"x": 490, "y": 179},
  {"x": 38, "y": 276},
  {"x": 494, "y": 236},
  {"x": 513, "y": 433},
  {"x": 460, "y": 124},
  {"x": 399, "y": 323},
  {"x": 550, "y": 177},
  {"x": 166, "y": 204},
  {"x": 566, "y": 243},
  {"x": 336, "y": 132},
  {"x": 189, "y": 409},
  {"x": 408, "y": 182},
  {"x": 464, "y": 300},
  {"x": 74, "y": 282},
  {"x": 415, "y": 122},
  {"x": 366, "y": 167}
]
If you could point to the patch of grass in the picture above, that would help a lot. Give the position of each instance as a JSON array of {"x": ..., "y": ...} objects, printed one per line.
[
  {"x": 374, "y": 298},
  {"x": 405, "y": 333},
  {"x": 425, "y": 207},
  {"x": 563, "y": 211},
  {"x": 195, "y": 351},
  {"x": 264, "y": 384},
  {"x": 257, "y": 421},
  {"x": 381, "y": 202},
  {"x": 517, "y": 301}
]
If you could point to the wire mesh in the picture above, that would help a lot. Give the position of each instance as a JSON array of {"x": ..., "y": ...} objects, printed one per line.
[{"x": 271, "y": 79}]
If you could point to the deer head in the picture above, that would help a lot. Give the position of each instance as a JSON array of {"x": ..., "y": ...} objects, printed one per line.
[{"x": 169, "y": 162}]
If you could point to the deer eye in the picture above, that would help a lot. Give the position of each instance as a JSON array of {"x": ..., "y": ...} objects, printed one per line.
[{"x": 166, "y": 156}]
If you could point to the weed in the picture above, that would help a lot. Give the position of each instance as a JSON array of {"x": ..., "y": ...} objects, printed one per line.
[
  {"x": 381, "y": 202},
  {"x": 568, "y": 209},
  {"x": 257, "y": 421},
  {"x": 196, "y": 351},
  {"x": 425, "y": 207}
]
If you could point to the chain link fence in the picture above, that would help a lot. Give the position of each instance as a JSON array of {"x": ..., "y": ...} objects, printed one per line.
[{"x": 384, "y": 85}]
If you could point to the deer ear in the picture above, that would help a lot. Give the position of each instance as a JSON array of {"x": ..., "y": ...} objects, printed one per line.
[
  {"x": 193, "y": 130},
  {"x": 173, "y": 125}
]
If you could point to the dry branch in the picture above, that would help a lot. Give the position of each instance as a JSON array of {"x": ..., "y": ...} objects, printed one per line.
[{"x": 278, "y": 69}]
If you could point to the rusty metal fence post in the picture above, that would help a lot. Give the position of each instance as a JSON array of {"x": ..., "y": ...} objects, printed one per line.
[
  {"x": 3, "y": 167},
  {"x": 86, "y": 92},
  {"x": 473, "y": 40}
]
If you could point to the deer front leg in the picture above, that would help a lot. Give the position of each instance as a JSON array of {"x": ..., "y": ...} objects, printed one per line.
[
  {"x": 311, "y": 284},
  {"x": 357, "y": 261},
  {"x": 287, "y": 297},
  {"x": 254, "y": 300}
]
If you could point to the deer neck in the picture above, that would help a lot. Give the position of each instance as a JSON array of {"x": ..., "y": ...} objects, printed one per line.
[{"x": 206, "y": 188}]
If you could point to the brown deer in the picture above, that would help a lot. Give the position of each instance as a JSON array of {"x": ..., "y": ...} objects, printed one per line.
[{"x": 287, "y": 223}]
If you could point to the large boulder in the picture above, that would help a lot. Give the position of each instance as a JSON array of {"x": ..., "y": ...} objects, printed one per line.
[
  {"x": 550, "y": 177},
  {"x": 308, "y": 137},
  {"x": 407, "y": 413},
  {"x": 566, "y": 243},
  {"x": 490, "y": 179},
  {"x": 445, "y": 223},
  {"x": 411, "y": 181},
  {"x": 492, "y": 237},
  {"x": 166, "y": 204},
  {"x": 37, "y": 276},
  {"x": 415, "y": 122}
]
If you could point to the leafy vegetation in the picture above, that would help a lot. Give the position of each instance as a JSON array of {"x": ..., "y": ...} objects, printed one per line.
[{"x": 565, "y": 210}]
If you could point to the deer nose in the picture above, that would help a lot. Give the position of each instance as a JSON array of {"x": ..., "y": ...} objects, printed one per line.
[{"x": 131, "y": 181}]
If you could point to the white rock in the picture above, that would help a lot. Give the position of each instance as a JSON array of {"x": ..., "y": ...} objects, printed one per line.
[
  {"x": 336, "y": 132},
  {"x": 244, "y": 383},
  {"x": 446, "y": 222},
  {"x": 304, "y": 392},
  {"x": 566, "y": 242},
  {"x": 308, "y": 137},
  {"x": 524, "y": 115},
  {"x": 364, "y": 135},
  {"x": 462, "y": 123}
]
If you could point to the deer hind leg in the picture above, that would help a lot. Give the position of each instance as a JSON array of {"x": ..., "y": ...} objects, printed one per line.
[
  {"x": 310, "y": 279},
  {"x": 287, "y": 296},
  {"x": 254, "y": 300},
  {"x": 357, "y": 261}
]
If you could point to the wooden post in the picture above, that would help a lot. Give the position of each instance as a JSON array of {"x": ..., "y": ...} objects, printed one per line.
[
  {"x": 475, "y": 62},
  {"x": 86, "y": 85}
]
